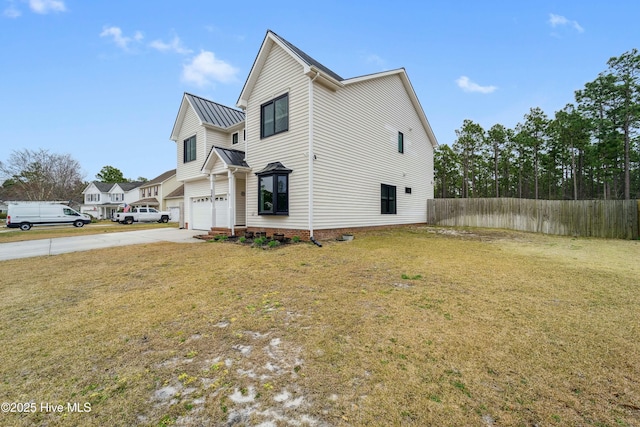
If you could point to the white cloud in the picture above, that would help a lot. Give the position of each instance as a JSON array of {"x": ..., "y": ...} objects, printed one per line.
[
  {"x": 174, "y": 45},
  {"x": 375, "y": 59},
  {"x": 41, "y": 7},
  {"x": 467, "y": 85},
  {"x": 120, "y": 40},
  {"x": 561, "y": 21},
  {"x": 205, "y": 69},
  {"x": 45, "y": 6},
  {"x": 11, "y": 11}
]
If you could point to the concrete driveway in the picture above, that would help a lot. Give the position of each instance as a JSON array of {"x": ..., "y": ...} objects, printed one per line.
[{"x": 62, "y": 245}]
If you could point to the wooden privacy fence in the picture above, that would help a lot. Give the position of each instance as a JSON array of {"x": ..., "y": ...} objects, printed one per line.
[{"x": 616, "y": 219}]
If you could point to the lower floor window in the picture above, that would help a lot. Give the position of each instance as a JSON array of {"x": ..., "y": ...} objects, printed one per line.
[
  {"x": 273, "y": 190},
  {"x": 274, "y": 194},
  {"x": 388, "y": 199}
]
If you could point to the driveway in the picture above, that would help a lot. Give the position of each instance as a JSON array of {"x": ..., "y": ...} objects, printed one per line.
[{"x": 63, "y": 245}]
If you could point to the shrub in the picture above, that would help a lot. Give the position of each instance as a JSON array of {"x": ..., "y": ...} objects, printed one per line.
[{"x": 273, "y": 243}]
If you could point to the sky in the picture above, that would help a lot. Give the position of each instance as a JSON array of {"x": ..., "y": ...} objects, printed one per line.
[{"x": 103, "y": 80}]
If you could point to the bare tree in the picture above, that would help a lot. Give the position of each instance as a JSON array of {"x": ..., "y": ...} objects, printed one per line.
[{"x": 41, "y": 175}]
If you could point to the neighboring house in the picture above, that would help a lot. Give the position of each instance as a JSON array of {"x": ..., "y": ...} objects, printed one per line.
[
  {"x": 101, "y": 199},
  {"x": 158, "y": 193},
  {"x": 311, "y": 153},
  {"x": 175, "y": 205}
]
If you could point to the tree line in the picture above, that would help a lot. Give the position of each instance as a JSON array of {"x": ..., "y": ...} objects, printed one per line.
[
  {"x": 590, "y": 149},
  {"x": 40, "y": 175}
]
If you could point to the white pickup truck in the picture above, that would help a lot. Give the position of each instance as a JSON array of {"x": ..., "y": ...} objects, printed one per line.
[{"x": 141, "y": 214}]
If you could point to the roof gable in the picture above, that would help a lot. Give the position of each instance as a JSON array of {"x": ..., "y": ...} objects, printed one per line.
[
  {"x": 103, "y": 187},
  {"x": 209, "y": 114},
  {"x": 229, "y": 157},
  {"x": 310, "y": 66}
]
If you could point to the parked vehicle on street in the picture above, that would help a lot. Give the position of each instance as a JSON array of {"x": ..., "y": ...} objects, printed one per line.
[
  {"x": 26, "y": 215},
  {"x": 141, "y": 214}
]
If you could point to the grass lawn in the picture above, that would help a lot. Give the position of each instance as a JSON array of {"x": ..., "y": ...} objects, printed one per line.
[{"x": 417, "y": 326}]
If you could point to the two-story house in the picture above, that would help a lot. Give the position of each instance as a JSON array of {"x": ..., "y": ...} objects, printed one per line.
[
  {"x": 159, "y": 192},
  {"x": 102, "y": 199},
  {"x": 309, "y": 154}
]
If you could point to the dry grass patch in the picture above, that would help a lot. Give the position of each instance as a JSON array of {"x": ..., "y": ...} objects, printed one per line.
[{"x": 419, "y": 326}]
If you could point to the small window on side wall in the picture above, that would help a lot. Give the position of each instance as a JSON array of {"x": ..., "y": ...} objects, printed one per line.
[
  {"x": 400, "y": 142},
  {"x": 234, "y": 138},
  {"x": 387, "y": 199}
]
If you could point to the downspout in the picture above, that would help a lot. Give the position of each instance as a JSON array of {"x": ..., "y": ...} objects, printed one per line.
[{"x": 311, "y": 157}]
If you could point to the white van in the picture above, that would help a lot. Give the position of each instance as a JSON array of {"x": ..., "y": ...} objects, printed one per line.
[{"x": 26, "y": 215}]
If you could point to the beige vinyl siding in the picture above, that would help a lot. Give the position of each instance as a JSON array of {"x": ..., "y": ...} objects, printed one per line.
[
  {"x": 190, "y": 126},
  {"x": 241, "y": 198},
  {"x": 281, "y": 74},
  {"x": 219, "y": 168},
  {"x": 356, "y": 144},
  {"x": 217, "y": 138}
]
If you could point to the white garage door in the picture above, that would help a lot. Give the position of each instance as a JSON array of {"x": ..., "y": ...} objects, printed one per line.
[
  {"x": 175, "y": 213},
  {"x": 201, "y": 212},
  {"x": 222, "y": 211}
]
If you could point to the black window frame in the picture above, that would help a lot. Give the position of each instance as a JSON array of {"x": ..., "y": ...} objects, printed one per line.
[
  {"x": 189, "y": 149},
  {"x": 388, "y": 199},
  {"x": 270, "y": 107},
  {"x": 400, "y": 142},
  {"x": 278, "y": 198},
  {"x": 234, "y": 138}
]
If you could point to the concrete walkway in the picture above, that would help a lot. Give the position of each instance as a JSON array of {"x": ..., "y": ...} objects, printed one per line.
[{"x": 62, "y": 245}]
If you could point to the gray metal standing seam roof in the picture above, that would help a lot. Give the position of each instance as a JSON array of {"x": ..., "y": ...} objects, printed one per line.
[
  {"x": 215, "y": 114},
  {"x": 231, "y": 157},
  {"x": 309, "y": 60}
]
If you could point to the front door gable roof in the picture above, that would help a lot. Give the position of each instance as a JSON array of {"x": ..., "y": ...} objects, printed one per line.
[{"x": 233, "y": 159}]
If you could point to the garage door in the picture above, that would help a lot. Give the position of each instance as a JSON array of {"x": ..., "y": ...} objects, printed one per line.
[
  {"x": 201, "y": 212},
  {"x": 222, "y": 211},
  {"x": 175, "y": 213}
]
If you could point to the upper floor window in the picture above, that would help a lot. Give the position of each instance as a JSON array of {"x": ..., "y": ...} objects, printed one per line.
[
  {"x": 189, "y": 149},
  {"x": 234, "y": 138},
  {"x": 388, "y": 199},
  {"x": 92, "y": 197},
  {"x": 274, "y": 116},
  {"x": 400, "y": 142}
]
